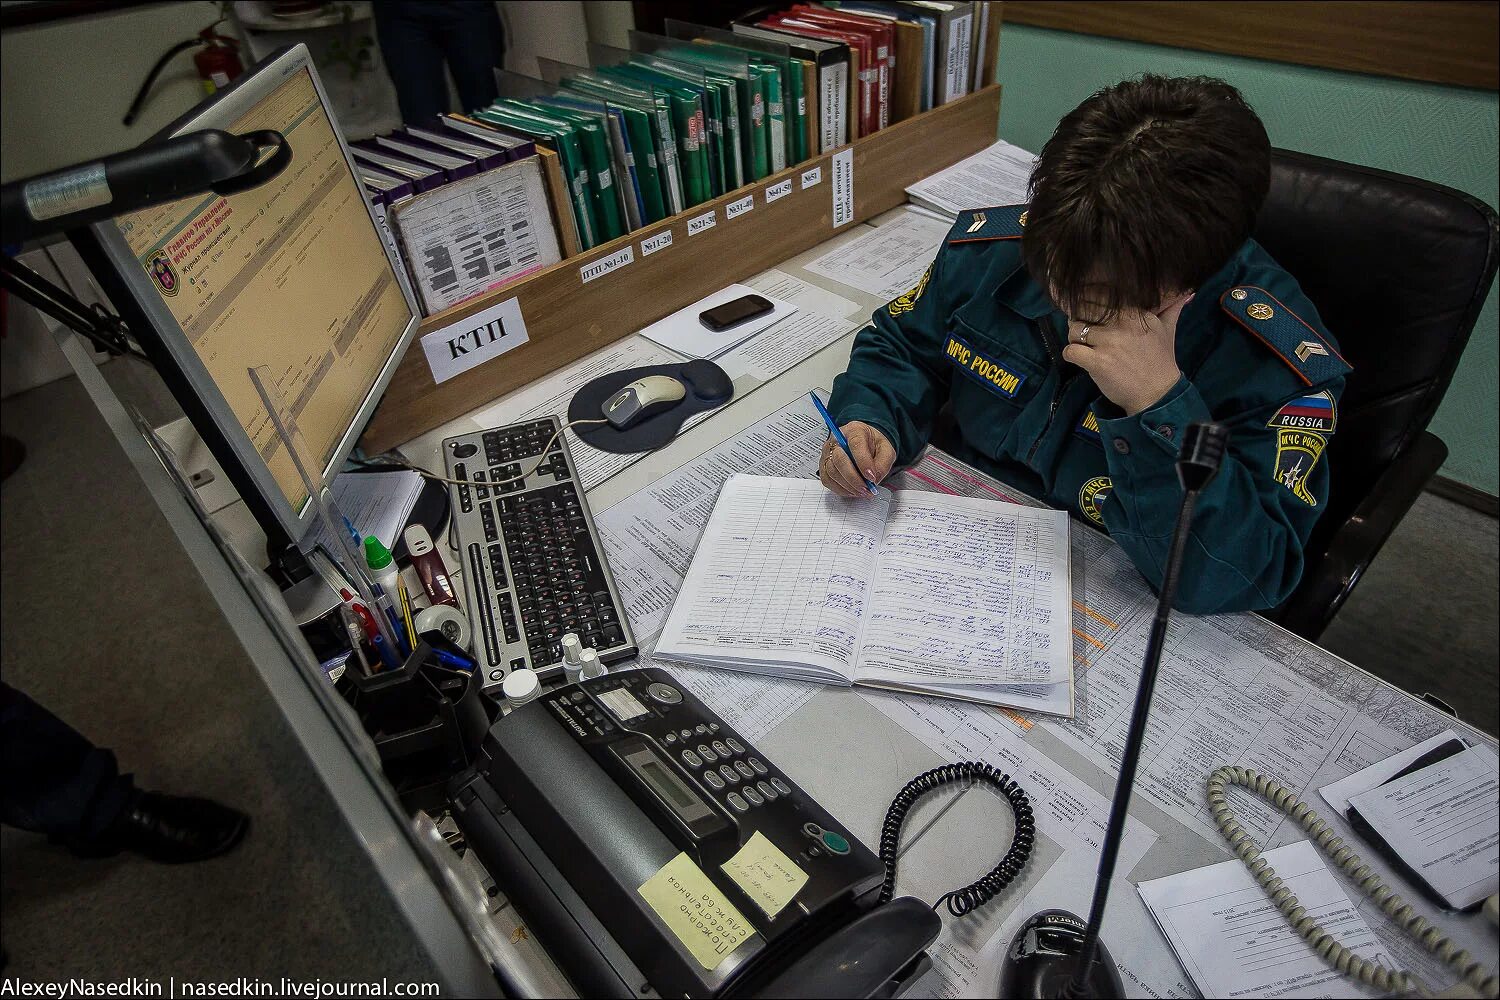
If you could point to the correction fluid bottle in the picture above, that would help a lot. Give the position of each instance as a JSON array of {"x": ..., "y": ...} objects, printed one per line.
[
  {"x": 590, "y": 666},
  {"x": 572, "y": 657}
]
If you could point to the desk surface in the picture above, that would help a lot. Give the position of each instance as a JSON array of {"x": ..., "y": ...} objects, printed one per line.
[{"x": 1234, "y": 689}]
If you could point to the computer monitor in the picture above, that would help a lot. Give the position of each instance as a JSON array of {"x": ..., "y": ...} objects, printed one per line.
[{"x": 293, "y": 275}]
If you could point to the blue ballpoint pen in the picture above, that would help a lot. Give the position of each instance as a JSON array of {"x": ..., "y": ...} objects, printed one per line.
[{"x": 838, "y": 436}]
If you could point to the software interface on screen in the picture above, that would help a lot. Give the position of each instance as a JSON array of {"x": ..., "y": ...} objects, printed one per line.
[{"x": 291, "y": 275}]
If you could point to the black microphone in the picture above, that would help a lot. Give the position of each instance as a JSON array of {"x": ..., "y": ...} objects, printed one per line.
[
  {"x": 205, "y": 160},
  {"x": 1055, "y": 954}
]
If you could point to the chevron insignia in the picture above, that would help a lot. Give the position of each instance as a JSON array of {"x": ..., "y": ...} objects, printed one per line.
[
  {"x": 980, "y": 225},
  {"x": 1308, "y": 348}
]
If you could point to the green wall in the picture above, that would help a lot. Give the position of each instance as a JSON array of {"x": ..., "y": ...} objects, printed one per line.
[{"x": 1442, "y": 134}]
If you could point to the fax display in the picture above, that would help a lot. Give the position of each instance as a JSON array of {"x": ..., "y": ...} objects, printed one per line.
[{"x": 622, "y": 704}]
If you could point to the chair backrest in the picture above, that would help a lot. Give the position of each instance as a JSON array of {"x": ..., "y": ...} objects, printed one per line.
[{"x": 1398, "y": 269}]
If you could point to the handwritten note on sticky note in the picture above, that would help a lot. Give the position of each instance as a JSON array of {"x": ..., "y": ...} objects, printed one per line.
[
  {"x": 696, "y": 911},
  {"x": 766, "y": 874}
]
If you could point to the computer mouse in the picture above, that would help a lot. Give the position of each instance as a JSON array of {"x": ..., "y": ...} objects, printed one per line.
[
  {"x": 708, "y": 381},
  {"x": 643, "y": 398}
]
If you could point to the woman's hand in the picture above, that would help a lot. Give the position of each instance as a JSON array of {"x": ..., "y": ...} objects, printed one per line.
[
  {"x": 872, "y": 451},
  {"x": 1133, "y": 359}
]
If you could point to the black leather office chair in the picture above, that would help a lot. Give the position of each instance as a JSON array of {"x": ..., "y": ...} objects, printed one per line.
[{"x": 1398, "y": 269}]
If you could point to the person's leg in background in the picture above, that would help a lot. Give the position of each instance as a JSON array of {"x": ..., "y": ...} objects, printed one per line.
[
  {"x": 54, "y": 781},
  {"x": 410, "y": 43},
  {"x": 473, "y": 39}
]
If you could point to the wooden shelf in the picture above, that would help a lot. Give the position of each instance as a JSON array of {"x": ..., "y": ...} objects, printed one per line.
[{"x": 567, "y": 318}]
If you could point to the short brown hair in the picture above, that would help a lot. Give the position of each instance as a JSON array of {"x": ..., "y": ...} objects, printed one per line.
[{"x": 1144, "y": 190}]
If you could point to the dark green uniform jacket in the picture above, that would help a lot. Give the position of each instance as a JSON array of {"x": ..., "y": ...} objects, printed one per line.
[{"x": 979, "y": 333}]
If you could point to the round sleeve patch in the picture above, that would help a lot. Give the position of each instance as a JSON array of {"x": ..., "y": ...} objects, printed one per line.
[{"x": 1092, "y": 494}]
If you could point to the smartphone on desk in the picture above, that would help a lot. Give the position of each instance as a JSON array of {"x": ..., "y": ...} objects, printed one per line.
[{"x": 735, "y": 312}]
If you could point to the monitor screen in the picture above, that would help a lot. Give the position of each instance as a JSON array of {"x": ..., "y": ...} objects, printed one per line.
[{"x": 292, "y": 275}]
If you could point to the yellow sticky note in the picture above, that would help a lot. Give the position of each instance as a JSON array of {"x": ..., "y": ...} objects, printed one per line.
[
  {"x": 696, "y": 911},
  {"x": 766, "y": 874}
]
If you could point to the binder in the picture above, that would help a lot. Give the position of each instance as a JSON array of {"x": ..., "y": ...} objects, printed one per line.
[
  {"x": 797, "y": 78},
  {"x": 627, "y": 174},
  {"x": 686, "y": 108},
  {"x": 424, "y": 176},
  {"x": 516, "y": 147},
  {"x": 562, "y": 141},
  {"x": 829, "y": 99},
  {"x": 911, "y": 67},
  {"x": 593, "y": 140},
  {"x": 751, "y": 92},
  {"x": 863, "y": 74},
  {"x": 483, "y": 157},
  {"x": 657, "y": 107},
  {"x": 883, "y": 49},
  {"x": 955, "y": 29},
  {"x": 706, "y": 152}
]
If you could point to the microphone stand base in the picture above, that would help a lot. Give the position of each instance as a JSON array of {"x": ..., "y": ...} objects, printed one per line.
[{"x": 1043, "y": 957}]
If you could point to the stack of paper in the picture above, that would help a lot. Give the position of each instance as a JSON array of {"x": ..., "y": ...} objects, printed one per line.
[
  {"x": 1234, "y": 942},
  {"x": 991, "y": 177}
]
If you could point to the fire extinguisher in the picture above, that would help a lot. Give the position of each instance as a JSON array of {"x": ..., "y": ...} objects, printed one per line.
[{"x": 218, "y": 65}]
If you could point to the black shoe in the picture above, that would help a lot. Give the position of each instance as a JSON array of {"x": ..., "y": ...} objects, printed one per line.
[{"x": 175, "y": 829}]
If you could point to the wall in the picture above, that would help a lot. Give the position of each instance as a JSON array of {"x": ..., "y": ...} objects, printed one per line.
[
  {"x": 555, "y": 29},
  {"x": 68, "y": 83},
  {"x": 1442, "y": 134}
]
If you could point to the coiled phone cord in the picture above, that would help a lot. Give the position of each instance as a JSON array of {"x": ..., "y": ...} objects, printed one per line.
[
  {"x": 975, "y": 894},
  {"x": 1345, "y": 961}
]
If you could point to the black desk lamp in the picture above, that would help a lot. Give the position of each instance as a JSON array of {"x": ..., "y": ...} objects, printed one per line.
[
  {"x": 1055, "y": 954},
  {"x": 206, "y": 160}
]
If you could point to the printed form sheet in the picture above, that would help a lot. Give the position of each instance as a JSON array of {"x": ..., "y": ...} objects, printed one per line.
[{"x": 887, "y": 260}]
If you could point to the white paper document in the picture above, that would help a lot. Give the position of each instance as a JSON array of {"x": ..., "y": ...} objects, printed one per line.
[
  {"x": 1378, "y": 773},
  {"x": 994, "y": 176},
  {"x": 888, "y": 592},
  {"x": 376, "y": 503},
  {"x": 685, "y": 333},
  {"x": 1444, "y": 821},
  {"x": 550, "y": 396},
  {"x": 887, "y": 260},
  {"x": 1234, "y": 942}
]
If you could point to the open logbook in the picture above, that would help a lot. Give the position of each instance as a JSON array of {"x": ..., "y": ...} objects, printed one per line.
[{"x": 950, "y": 596}]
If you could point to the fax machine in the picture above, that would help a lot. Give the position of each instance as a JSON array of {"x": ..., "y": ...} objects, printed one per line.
[{"x": 586, "y": 795}]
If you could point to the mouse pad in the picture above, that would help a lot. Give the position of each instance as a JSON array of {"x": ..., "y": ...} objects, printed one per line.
[{"x": 708, "y": 387}]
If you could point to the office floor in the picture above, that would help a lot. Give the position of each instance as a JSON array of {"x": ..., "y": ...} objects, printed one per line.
[{"x": 104, "y": 623}]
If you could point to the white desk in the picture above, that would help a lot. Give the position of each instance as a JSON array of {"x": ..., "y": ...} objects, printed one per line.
[{"x": 850, "y": 754}]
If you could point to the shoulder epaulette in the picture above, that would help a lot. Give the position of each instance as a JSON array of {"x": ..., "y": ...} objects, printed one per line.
[
  {"x": 1306, "y": 351},
  {"x": 975, "y": 224}
]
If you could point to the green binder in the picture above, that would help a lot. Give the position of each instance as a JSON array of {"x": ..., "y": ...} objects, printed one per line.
[
  {"x": 593, "y": 143},
  {"x": 606, "y": 87},
  {"x": 563, "y": 141},
  {"x": 687, "y": 122},
  {"x": 643, "y": 144},
  {"x": 716, "y": 95},
  {"x": 593, "y": 137}
]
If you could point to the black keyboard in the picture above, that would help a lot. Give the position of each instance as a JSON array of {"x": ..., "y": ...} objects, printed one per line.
[{"x": 532, "y": 565}]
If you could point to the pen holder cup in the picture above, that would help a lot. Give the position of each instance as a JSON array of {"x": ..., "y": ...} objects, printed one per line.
[{"x": 427, "y": 720}]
